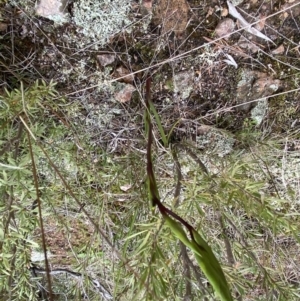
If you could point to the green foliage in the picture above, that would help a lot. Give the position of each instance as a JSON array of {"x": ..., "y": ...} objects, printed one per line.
[
  {"x": 36, "y": 117},
  {"x": 241, "y": 210},
  {"x": 203, "y": 253},
  {"x": 205, "y": 258},
  {"x": 18, "y": 190},
  {"x": 234, "y": 206}
]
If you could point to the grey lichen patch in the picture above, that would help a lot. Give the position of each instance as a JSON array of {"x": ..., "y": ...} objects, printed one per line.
[
  {"x": 259, "y": 111},
  {"x": 283, "y": 168},
  {"x": 65, "y": 162},
  {"x": 215, "y": 141},
  {"x": 183, "y": 83},
  {"x": 77, "y": 72},
  {"x": 100, "y": 116},
  {"x": 209, "y": 56},
  {"x": 244, "y": 89},
  {"x": 100, "y": 20}
]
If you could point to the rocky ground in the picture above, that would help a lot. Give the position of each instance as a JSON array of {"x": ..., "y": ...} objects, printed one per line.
[{"x": 198, "y": 78}]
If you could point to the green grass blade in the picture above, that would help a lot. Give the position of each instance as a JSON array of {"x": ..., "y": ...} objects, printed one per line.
[
  {"x": 205, "y": 258},
  {"x": 211, "y": 267},
  {"x": 160, "y": 128}
]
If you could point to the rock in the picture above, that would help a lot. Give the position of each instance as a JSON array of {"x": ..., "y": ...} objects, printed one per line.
[
  {"x": 3, "y": 26},
  {"x": 106, "y": 59},
  {"x": 254, "y": 85},
  {"x": 54, "y": 10},
  {"x": 247, "y": 45},
  {"x": 147, "y": 5},
  {"x": 184, "y": 83},
  {"x": 278, "y": 50},
  {"x": 264, "y": 86},
  {"x": 259, "y": 111},
  {"x": 225, "y": 27},
  {"x": 126, "y": 75},
  {"x": 224, "y": 12},
  {"x": 214, "y": 141},
  {"x": 125, "y": 94},
  {"x": 171, "y": 15}
]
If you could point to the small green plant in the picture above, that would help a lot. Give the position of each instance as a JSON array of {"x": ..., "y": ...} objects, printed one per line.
[
  {"x": 203, "y": 253},
  {"x": 18, "y": 189},
  {"x": 249, "y": 133}
]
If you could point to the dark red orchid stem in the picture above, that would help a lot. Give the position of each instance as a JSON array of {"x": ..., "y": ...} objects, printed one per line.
[{"x": 151, "y": 177}]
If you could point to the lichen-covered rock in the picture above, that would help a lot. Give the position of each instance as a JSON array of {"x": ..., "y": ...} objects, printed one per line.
[
  {"x": 214, "y": 141},
  {"x": 100, "y": 20},
  {"x": 259, "y": 111},
  {"x": 183, "y": 83},
  {"x": 253, "y": 86}
]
